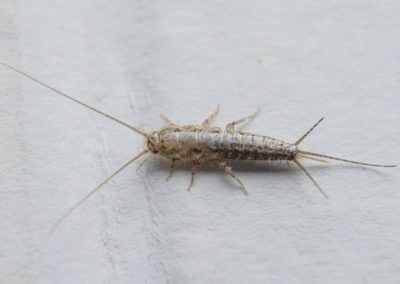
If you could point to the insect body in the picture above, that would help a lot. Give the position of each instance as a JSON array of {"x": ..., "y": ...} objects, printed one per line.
[
  {"x": 198, "y": 144},
  {"x": 195, "y": 145}
]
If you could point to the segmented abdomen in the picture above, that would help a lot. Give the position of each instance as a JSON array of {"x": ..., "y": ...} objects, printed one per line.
[
  {"x": 244, "y": 146},
  {"x": 200, "y": 143}
]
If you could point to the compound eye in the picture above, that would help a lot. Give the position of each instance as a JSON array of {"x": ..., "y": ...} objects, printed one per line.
[{"x": 153, "y": 142}]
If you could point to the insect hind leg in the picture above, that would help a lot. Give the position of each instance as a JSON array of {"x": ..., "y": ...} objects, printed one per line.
[
  {"x": 194, "y": 171},
  {"x": 232, "y": 174},
  {"x": 230, "y": 127},
  {"x": 171, "y": 171},
  {"x": 209, "y": 119}
]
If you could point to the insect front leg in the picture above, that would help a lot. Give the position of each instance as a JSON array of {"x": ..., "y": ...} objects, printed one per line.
[
  {"x": 230, "y": 127},
  {"x": 209, "y": 119},
  {"x": 232, "y": 174},
  {"x": 171, "y": 170},
  {"x": 167, "y": 120}
]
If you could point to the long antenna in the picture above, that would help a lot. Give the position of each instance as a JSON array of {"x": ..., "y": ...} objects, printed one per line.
[
  {"x": 137, "y": 130},
  {"x": 73, "y": 208}
]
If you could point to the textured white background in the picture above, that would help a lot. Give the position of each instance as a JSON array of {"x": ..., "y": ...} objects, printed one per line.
[{"x": 298, "y": 60}]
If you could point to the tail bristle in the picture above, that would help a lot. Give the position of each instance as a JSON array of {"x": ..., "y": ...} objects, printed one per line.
[
  {"x": 310, "y": 177},
  {"x": 308, "y": 132},
  {"x": 344, "y": 160},
  {"x": 313, "y": 158}
]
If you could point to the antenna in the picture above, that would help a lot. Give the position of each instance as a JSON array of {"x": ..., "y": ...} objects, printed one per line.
[{"x": 137, "y": 130}]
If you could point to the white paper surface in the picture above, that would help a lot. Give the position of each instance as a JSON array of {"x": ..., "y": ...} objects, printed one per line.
[{"x": 297, "y": 60}]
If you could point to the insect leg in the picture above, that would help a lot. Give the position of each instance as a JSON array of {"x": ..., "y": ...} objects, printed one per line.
[
  {"x": 194, "y": 171},
  {"x": 171, "y": 170},
  {"x": 230, "y": 127},
  {"x": 231, "y": 173},
  {"x": 211, "y": 117},
  {"x": 166, "y": 119}
]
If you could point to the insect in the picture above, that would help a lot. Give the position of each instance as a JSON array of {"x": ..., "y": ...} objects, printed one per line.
[{"x": 194, "y": 145}]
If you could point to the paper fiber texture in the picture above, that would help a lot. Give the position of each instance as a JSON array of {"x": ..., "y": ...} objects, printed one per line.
[{"x": 297, "y": 60}]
